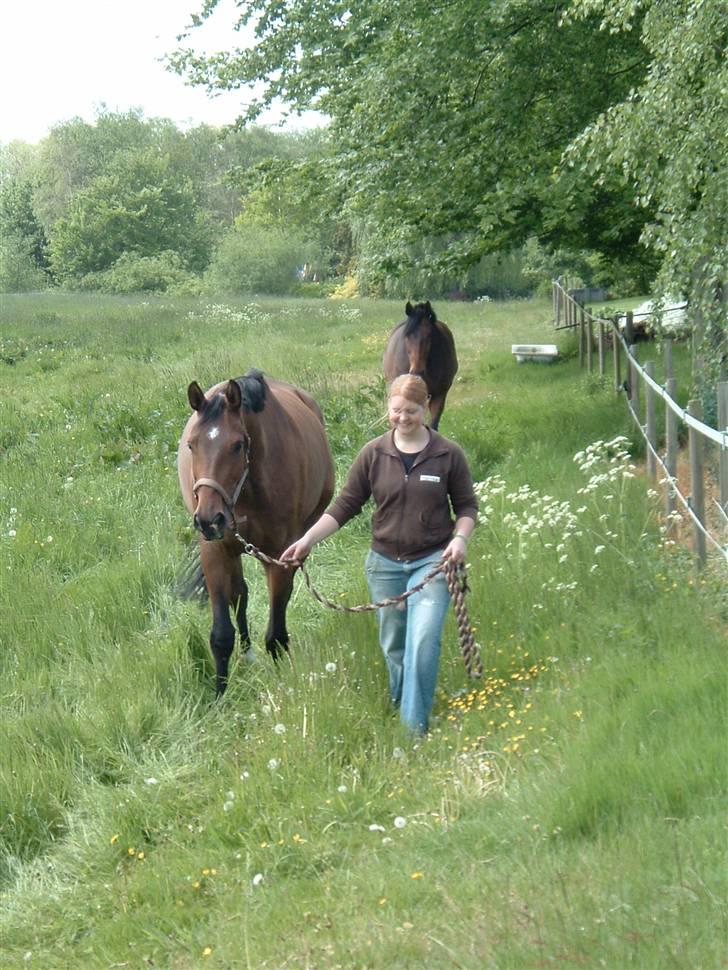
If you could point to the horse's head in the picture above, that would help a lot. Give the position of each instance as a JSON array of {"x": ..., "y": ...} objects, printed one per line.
[
  {"x": 220, "y": 447},
  {"x": 421, "y": 319}
]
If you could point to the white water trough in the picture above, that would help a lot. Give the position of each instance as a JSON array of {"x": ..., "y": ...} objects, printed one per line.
[{"x": 539, "y": 353}]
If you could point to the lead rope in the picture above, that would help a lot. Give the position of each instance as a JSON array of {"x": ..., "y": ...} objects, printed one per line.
[{"x": 457, "y": 585}]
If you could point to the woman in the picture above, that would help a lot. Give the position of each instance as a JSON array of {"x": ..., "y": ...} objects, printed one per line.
[{"x": 415, "y": 477}]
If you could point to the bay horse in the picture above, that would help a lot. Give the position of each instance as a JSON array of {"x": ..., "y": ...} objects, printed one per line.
[
  {"x": 423, "y": 345},
  {"x": 254, "y": 464}
]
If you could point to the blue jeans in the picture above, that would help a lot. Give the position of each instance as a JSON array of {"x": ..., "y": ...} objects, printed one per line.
[{"x": 410, "y": 632}]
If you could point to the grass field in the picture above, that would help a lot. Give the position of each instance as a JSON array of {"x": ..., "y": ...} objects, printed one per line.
[{"x": 565, "y": 811}]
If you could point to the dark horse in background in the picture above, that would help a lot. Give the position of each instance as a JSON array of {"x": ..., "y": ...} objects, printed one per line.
[
  {"x": 423, "y": 345},
  {"x": 253, "y": 462}
]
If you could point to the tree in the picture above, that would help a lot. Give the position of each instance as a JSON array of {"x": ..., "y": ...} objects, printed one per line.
[
  {"x": 19, "y": 224},
  {"x": 140, "y": 206},
  {"x": 447, "y": 118},
  {"x": 669, "y": 138}
]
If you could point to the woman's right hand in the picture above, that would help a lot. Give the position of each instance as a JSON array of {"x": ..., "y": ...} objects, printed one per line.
[{"x": 296, "y": 552}]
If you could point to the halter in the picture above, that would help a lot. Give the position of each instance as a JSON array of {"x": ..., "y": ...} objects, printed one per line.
[{"x": 229, "y": 500}]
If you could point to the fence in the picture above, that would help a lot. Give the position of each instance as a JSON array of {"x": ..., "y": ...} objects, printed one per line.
[{"x": 602, "y": 334}]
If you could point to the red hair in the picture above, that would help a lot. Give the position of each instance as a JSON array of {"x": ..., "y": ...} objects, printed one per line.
[{"x": 412, "y": 387}]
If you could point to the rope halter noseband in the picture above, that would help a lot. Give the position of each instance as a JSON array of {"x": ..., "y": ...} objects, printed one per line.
[{"x": 229, "y": 500}]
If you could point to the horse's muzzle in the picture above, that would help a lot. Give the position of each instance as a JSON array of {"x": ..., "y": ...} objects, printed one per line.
[{"x": 210, "y": 529}]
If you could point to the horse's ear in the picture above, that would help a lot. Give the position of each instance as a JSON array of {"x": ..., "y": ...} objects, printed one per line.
[
  {"x": 409, "y": 309},
  {"x": 233, "y": 396},
  {"x": 196, "y": 396},
  {"x": 430, "y": 312}
]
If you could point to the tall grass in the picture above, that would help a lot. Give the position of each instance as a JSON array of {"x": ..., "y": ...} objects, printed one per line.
[{"x": 564, "y": 811}]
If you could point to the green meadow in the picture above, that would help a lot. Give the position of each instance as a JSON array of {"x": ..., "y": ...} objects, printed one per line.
[{"x": 567, "y": 810}]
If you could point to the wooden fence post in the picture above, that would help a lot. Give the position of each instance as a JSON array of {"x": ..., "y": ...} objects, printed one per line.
[
  {"x": 651, "y": 421},
  {"x": 667, "y": 358},
  {"x": 617, "y": 354},
  {"x": 582, "y": 336},
  {"x": 723, "y": 426},
  {"x": 600, "y": 338},
  {"x": 589, "y": 338},
  {"x": 629, "y": 328},
  {"x": 697, "y": 497},
  {"x": 670, "y": 452},
  {"x": 634, "y": 381}
]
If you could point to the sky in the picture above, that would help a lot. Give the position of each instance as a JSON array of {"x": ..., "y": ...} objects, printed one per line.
[{"x": 61, "y": 59}]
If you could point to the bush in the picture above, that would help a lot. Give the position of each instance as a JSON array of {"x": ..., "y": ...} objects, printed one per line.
[
  {"x": 253, "y": 259},
  {"x": 19, "y": 272},
  {"x": 132, "y": 273}
]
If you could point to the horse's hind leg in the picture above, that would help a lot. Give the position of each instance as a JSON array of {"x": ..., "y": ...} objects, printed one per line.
[{"x": 280, "y": 587}]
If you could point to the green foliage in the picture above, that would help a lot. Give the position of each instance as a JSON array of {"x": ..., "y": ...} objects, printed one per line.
[
  {"x": 133, "y": 273},
  {"x": 19, "y": 270},
  {"x": 254, "y": 259},
  {"x": 138, "y": 206},
  {"x": 670, "y": 140},
  {"x": 446, "y": 122},
  {"x": 125, "y": 188}
]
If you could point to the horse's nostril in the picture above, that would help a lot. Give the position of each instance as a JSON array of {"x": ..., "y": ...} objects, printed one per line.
[
  {"x": 218, "y": 523},
  {"x": 196, "y": 521}
]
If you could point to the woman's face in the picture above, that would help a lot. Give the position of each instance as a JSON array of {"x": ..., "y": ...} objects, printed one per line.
[{"x": 405, "y": 415}]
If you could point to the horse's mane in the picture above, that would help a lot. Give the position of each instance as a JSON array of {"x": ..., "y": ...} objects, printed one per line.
[{"x": 253, "y": 389}]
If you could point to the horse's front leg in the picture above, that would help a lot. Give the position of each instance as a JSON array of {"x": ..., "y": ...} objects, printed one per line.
[
  {"x": 437, "y": 406},
  {"x": 221, "y": 567},
  {"x": 280, "y": 586}
]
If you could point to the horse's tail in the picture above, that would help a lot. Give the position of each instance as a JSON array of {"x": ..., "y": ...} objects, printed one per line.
[{"x": 191, "y": 580}]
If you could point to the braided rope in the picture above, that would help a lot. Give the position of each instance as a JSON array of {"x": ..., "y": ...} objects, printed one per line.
[{"x": 457, "y": 585}]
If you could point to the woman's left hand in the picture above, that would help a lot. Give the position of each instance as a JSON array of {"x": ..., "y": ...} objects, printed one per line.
[{"x": 456, "y": 549}]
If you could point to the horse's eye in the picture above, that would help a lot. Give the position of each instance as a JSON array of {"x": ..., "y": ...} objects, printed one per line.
[
  {"x": 189, "y": 445},
  {"x": 238, "y": 447}
]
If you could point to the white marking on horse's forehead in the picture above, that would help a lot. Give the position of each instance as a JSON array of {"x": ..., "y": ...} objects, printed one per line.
[{"x": 213, "y": 433}]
